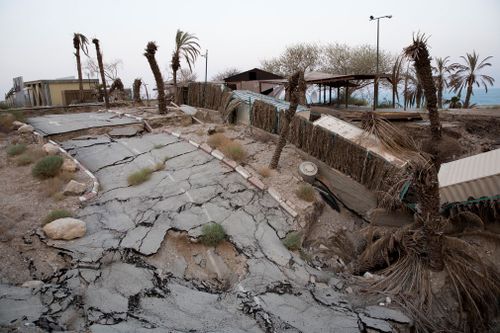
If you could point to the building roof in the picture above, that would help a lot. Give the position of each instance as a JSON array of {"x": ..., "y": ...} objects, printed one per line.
[
  {"x": 333, "y": 80},
  {"x": 255, "y": 74},
  {"x": 247, "y": 97},
  {"x": 55, "y": 81},
  {"x": 475, "y": 176}
]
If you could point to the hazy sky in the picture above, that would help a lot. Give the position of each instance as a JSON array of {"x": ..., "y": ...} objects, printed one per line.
[{"x": 37, "y": 35}]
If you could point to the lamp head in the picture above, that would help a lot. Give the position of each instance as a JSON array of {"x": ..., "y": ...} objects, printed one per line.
[{"x": 371, "y": 17}]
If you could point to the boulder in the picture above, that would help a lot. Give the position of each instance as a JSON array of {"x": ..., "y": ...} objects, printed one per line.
[
  {"x": 74, "y": 188},
  {"x": 66, "y": 228},
  {"x": 25, "y": 129},
  {"x": 50, "y": 149},
  {"x": 69, "y": 165},
  {"x": 17, "y": 124}
]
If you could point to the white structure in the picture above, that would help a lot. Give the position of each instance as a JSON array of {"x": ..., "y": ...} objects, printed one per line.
[{"x": 475, "y": 176}]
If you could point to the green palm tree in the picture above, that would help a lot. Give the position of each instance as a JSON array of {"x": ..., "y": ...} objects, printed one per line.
[
  {"x": 80, "y": 42},
  {"x": 441, "y": 71},
  {"x": 187, "y": 47},
  {"x": 151, "y": 49},
  {"x": 467, "y": 75}
]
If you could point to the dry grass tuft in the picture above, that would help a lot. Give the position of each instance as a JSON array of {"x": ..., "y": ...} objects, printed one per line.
[
  {"x": 305, "y": 192},
  {"x": 264, "y": 171},
  {"x": 52, "y": 186},
  {"x": 217, "y": 140},
  {"x": 234, "y": 150},
  {"x": 30, "y": 156},
  {"x": 139, "y": 177}
]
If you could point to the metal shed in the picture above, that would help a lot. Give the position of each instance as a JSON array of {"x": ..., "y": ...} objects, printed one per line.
[{"x": 475, "y": 176}]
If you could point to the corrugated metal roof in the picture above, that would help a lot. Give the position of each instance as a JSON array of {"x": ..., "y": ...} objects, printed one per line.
[
  {"x": 245, "y": 96},
  {"x": 473, "y": 176},
  {"x": 357, "y": 136}
]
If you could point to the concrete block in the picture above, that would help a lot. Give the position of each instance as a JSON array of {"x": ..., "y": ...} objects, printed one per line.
[
  {"x": 242, "y": 171},
  {"x": 206, "y": 148},
  {"x": 276, "y": 196},
  {"x": 217, "y": 154},
  {"x": 196, "y": 144},
  {"x": 177, "y": 135},
  {"x": 288, "y": 209},
  {"x": 232, "y": 164},
  {"x": 257, "y": 183}
]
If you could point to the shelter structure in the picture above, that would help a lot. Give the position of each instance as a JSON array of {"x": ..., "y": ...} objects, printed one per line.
[
  {"x": 328, "y": 82},
  {"x": 255, "y": 80}
]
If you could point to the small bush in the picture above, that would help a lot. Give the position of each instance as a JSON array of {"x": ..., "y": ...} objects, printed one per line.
[
  {"x": 56, "y": 214},
  {"x": 305, "y": 192},
  {"x": 6, "y": 120},
  {"x": 47, "y": 167},
  {"x": 139, "y": 177},
  {"x": 292, "y": 241},
  {"x": 217, "y": 140},
  {"x": 212, "y": 234},
  {"x": 18, "y": 115},
  {"x": 264, "y": 171},
  {"x": 24, "y": 159},
  {"x": 14, "y": 150},
  {"x": 234, "y": 151}
]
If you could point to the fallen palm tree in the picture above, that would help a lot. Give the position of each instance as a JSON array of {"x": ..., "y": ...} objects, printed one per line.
[{"x": 421, "y": 265}]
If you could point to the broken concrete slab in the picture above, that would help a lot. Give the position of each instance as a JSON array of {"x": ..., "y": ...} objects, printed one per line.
[{"x": 17, "y": 303}]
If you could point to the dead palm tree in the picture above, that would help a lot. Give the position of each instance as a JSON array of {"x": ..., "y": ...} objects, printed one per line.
[
  {"x": 160, "y": 84},
  {"x": 442, "y": 70},
  {"x": 296, "y": 87},
  {"x": 187, "y": 47},
  {"x": 397, "y": 77},
  {"x": 101, "y": 70},
  {"x": 467, "y": 75},
  {"x": 137, "y": 90},
  {"x": 80, "y": 42}
]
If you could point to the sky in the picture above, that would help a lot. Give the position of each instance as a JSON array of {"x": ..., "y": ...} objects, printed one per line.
[{"x": 37, "y": 35}]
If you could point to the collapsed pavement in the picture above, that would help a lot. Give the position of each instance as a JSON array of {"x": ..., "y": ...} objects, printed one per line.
[{"x": 115, "y": 286}]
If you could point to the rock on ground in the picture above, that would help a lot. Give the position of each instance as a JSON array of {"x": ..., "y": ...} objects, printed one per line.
[
  {"x": 74, "y": 188},
  {"x": 25, "y": 129},
  {"x": 66, "y": 228},
  {"x": 50, "y": 149},
  {"x": 17, "y": 124},
  {"x": 69, "y": 165}
]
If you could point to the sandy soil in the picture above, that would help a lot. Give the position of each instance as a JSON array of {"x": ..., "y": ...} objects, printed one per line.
[{"x": 24, "y": 203}]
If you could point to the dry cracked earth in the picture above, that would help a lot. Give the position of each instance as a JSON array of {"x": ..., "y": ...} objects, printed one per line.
[{"x": 138, "y": 269}]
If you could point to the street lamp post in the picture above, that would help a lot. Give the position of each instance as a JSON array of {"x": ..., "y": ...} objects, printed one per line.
[
  {"x": 375, "y": 86},
  {"x": 206, "y": 68}
]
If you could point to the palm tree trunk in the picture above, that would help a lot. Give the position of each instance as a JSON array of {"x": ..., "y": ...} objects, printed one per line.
[
  {"x": 174, "y": 74},
  {"x": 468, "y": 95},
  {"x": 79, "y": 70},
  {"x": 101, "y": 70},
  {"x": 296, "y": 87},
  {"x": 160, "y": 85},
  {"x": 440, "y": 93}
]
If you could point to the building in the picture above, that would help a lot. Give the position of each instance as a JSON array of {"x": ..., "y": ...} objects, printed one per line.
[
  {"x": 252, "y": 80},
  {"x": 58, "y": 92}
]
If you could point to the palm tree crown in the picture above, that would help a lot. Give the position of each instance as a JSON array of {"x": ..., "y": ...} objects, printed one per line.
[
  {"x": 80, "y": 42},
  {"x": 441, "y": 71},
  {"x": 468, "y": 74},
  {"x": 187, "y": 47}
]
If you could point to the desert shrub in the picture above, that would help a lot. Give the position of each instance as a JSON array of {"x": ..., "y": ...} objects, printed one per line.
[
  {"x": 264, "y": 171},
  {"x": 6, "y": 120},
  {"x": 47, "y": 167},
  {"x": 305, "y": 192},
  {"x": 24, "y": 159},
  {"x": 18, "y": 115},
  {"x": 56, "y": 214},
  {"x": 234, "y": 151},
  {"x": 217, "y": 140},
  {"x": 292, "y": 241},
  {"x": 212, "y": 234},
  {"x": 139, "y": 177},
  {"x": 17, "y": 149}
]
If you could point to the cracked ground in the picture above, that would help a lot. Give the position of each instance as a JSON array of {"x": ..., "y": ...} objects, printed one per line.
[{"x": 128, "y": 275}]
